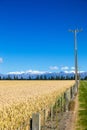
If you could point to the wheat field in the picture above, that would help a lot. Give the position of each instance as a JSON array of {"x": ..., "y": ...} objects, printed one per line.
[{"x": 19, "y": 99}]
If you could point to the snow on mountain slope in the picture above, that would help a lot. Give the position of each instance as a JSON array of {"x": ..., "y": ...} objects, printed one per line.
[{"x": 40, "y": 74}]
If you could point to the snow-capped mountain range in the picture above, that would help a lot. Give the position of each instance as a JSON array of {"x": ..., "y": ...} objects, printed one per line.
[{"x": 42, "y": 75}]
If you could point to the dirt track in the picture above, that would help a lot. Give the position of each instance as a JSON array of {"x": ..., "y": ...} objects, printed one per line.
[{"x": 68, "y": 120}]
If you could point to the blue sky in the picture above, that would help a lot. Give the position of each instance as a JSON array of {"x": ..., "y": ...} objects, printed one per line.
[{"x": 34, "y": 34}]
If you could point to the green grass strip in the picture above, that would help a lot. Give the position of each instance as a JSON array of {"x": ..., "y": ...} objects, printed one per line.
[{"x": 82, "y": 121}]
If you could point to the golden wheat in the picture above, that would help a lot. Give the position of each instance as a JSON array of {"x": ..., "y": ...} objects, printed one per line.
[{"x": 19, "y": 99}]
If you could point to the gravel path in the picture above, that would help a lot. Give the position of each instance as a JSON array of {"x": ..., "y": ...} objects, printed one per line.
[
  {"x": 65, "y": 120},
  {"x": 68, "y": 120}
]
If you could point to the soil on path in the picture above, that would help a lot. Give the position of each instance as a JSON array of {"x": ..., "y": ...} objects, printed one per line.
[{"x": 68, "y": 120}]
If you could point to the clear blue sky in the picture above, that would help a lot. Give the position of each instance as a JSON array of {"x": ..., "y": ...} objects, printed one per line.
[{"x": 34, "y": 34}]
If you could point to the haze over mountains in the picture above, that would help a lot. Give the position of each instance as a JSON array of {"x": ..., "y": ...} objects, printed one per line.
[{"x": 42, "y": 75}]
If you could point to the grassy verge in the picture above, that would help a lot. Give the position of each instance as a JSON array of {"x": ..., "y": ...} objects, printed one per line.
[{"x": 82, "y": 112}]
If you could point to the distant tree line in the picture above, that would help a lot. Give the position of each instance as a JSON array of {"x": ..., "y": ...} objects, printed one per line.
[
  {"x": 38, "y": 77},
  {"x": 85, "y": 78},
  {"x": 41, "y": 77}
]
